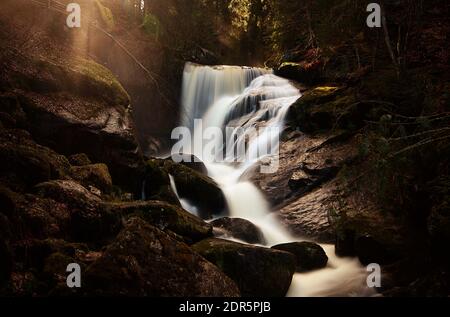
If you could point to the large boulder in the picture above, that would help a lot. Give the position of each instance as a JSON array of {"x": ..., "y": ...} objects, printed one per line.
[
  {"x": 309, "y": 256},
  {"x": 199, "y": 189},
  {"x": 328, "y": 107},
  {"x": 144, "y": 261},
  {"x": 23, "y": 163},
  {"x": 257, "y": 271},
  {"x": 79, "y": 159},
  {"x": 304, "y": 72},
  {"x": 45, "y": 217},
  {"x": 94, "y": 175},
  {"x": 89, "y": 221},
  {"x": 166, "y": 217},
  {"x": 238, "y": 228},
  {"x": 79, "y": 107}
]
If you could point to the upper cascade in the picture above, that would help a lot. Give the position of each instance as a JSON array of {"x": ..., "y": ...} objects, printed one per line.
[{"x": 203, "y": 86}]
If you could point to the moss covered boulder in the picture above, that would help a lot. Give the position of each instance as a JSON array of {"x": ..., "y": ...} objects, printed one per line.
[
  {"x": 257, "y": 271},
  {"x": 328, "y": 107},
  {"x": 89, "y": 220},
  {"x": 95, "y": 175},
  {"x": 79, "y": 159},
  {"x": 166, "y": 217},
  {"x": 78, "y": 106},
  {"x": 200, "y": 190},
  {"x": 309, "y": 256},
  {"x": 144, "y": 261},
  {"x": 24, "y": 163},
  {"x": 304, "y": 72}
]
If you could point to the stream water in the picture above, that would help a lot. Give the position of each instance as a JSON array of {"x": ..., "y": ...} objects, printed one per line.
[{"x": 245, "y": 98}]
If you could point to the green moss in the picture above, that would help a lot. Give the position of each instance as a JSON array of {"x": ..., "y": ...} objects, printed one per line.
[
  {"x": 103, "y": 78},
  {"x": 77, "y": 75},
  {"x": 152, "y": 26},
  {"x": 167, "y": 217},
  {"x": 96, "y": 175},
  {"x": 106, "y": 15}
]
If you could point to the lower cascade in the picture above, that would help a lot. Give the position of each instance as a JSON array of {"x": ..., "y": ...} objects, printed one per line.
[{"x": 244, "y": 99}]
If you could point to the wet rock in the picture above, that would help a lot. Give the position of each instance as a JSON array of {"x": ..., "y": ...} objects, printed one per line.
[
  {"x": 193, "y": 162},
  {"x": 96, "y": 175},
  {"x": 79, "y": 159},
  {"x": 309, "y": 256},
  {"x": 199, "y": 189},
  {"x": 240, "y": 229},
  {"x": 257, "y": 271},
  {"x": 144, "y": 261},
  {"x": 156, "y": 183},
  {"x": 165, "y": 217}
]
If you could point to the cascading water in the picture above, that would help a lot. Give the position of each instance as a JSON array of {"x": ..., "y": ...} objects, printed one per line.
[{"x": 244, "y": 98}]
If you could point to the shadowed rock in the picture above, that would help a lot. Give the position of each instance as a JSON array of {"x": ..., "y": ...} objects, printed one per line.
[
  {"x": 144, "y": 261},
  {"x": 309, "y": 256},
  {"x": 239, "y": 229},
  {"x": 257, "y": 271}
]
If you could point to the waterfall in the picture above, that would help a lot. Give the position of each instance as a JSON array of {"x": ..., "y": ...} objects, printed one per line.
[{"x": 242, "y": 98}]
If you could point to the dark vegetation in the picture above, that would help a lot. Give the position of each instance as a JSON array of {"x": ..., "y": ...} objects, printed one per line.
[{"x": 82, "y": 110}]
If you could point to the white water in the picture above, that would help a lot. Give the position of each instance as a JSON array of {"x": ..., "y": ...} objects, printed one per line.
[{"x": 252, "y": 97}]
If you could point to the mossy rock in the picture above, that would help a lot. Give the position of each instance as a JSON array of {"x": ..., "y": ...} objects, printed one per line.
[
  {"x": 32, "y": 253},
  {"x": 23, "y": 163},
  {"x": 328, "y": 107},
  {"x": 306, "y": 72},
  {"x": 257, "y": 271},
  {"x": 198, "y": 189},
  {"x": 96, "y": 175},
  {"x": 89, "y": 220},
  {"x": 55, "y": 267},
  {"x": 145, "y": 261},
  {"x": 309, "y": 256},
  {"x": 79, "y": 159},
  {"x": 166, "y": 217}
]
